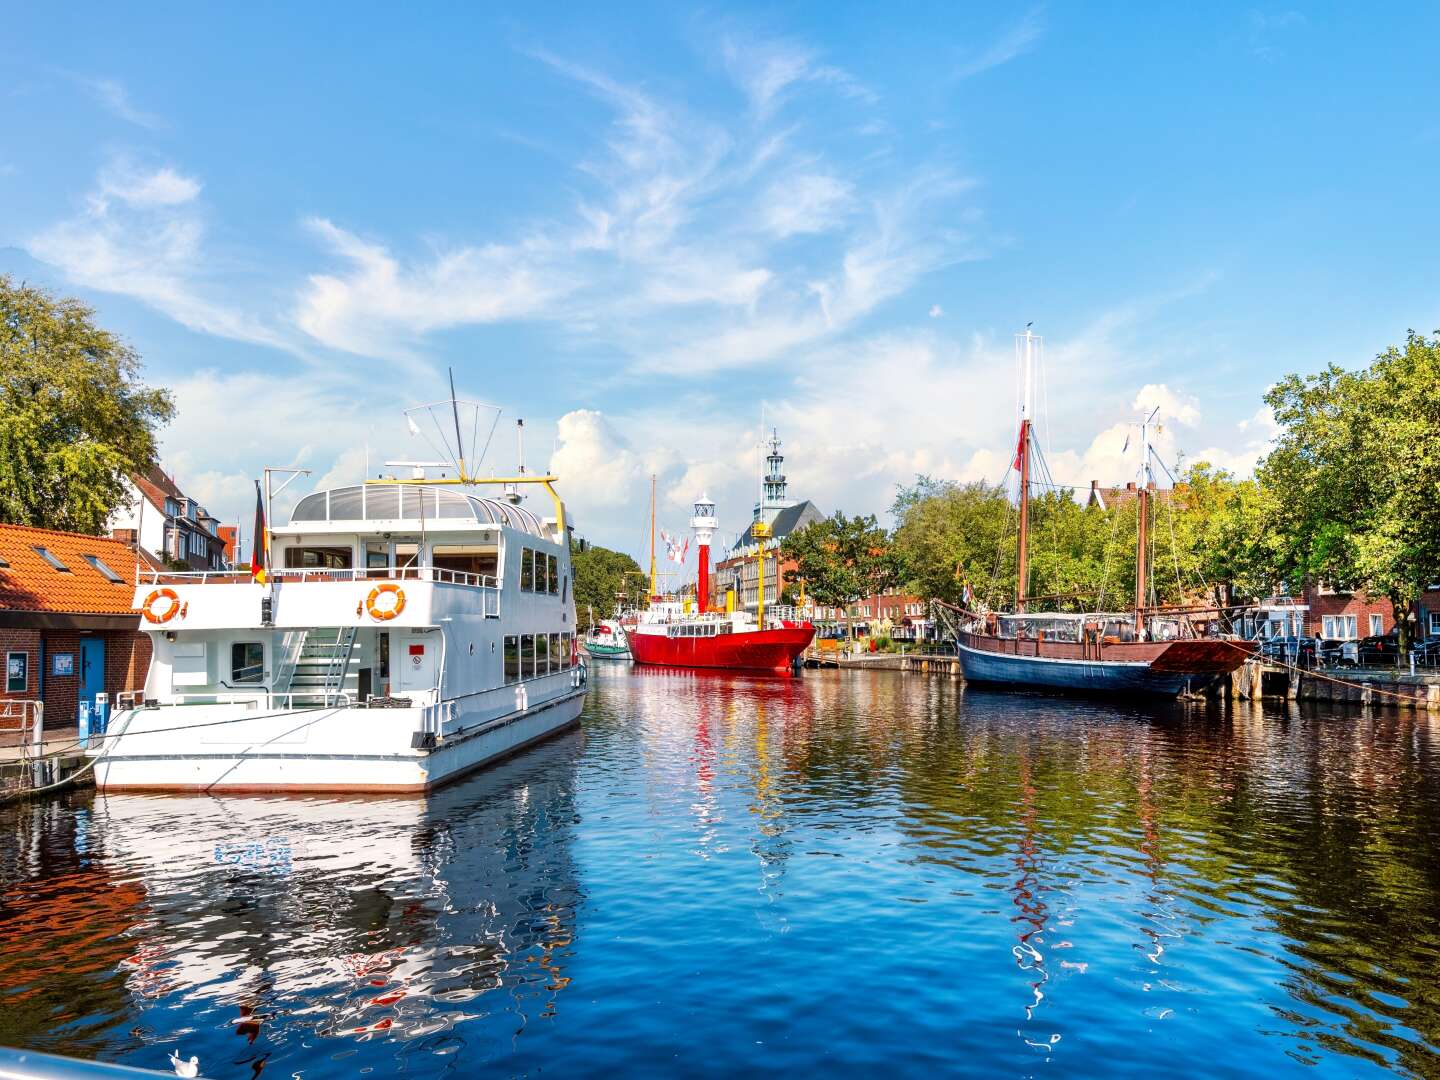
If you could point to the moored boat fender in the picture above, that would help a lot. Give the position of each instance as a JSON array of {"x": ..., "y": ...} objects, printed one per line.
[
  {"x": 389, "y": 610},
  {"x": 165, "y": 614}
]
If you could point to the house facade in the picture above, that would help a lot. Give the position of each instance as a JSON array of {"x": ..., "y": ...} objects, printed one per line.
[
  {"x": 167, "y": 523},
  {"x": 67, "y": 627}
]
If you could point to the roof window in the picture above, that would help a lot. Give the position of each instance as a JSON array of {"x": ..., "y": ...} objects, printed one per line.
[
  {"x": 2, "y": 561},
  {"x": 49, "y": 556},
  {"x": 103, "y": 570}
]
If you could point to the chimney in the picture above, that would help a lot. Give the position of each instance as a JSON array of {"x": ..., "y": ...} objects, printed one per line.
[{"x": 1130, "y": 486}]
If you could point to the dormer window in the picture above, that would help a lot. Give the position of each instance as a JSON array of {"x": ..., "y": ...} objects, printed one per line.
[{"x": 49, "y": 556}]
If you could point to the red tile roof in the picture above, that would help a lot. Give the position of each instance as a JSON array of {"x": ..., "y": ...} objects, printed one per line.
[{"x": 29, "y": 583}]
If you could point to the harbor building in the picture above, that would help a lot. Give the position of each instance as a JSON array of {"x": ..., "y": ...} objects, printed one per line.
[
  {"x": 69, "y": 628},
  {"x": 739, "y": 570}
]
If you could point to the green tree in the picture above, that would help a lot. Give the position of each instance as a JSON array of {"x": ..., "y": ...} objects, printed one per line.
[
  {"x": 600, "y": 576},
  {"x": 948, "y": 533},
  {"x": 841, "y": 560},
  {"x": 1353, "y": 480},
  {"x": 75, "y": 418}
]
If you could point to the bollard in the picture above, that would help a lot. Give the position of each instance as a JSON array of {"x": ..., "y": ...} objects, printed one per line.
[{"x": 82, "y": 721}]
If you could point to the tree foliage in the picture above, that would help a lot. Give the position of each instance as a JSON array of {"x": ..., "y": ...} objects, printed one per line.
[
  {"x": 75, "y": 417},
  {"x": 600, "y": 575},
  {"x": 841, "y": 559},
  {"x": 1353, "y": 482}
]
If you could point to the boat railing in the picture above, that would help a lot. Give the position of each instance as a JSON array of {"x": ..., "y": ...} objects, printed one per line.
[
  {"x": 260, "y": 698},
  {"x": 322, "y": 574}
]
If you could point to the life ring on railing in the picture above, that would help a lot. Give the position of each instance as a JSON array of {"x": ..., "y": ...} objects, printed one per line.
[
  {"x": 148, "y": 608},
  {"x": 385, "y": 614}
]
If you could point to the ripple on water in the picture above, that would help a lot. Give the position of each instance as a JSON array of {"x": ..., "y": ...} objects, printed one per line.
[{"x": 845, "y": 872}]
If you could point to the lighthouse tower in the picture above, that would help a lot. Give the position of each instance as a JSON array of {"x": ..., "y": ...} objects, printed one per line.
[{"x": 704, "y": 525}]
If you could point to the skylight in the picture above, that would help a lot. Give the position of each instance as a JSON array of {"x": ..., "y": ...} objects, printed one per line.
[
  {"x": 104, "y": 571},
  {"x": 49, "y": 556}
]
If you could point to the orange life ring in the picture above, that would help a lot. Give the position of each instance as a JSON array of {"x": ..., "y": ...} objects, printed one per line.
[
  {"x": 385, "y": 614},
  {"x": 148, "y": 608}
]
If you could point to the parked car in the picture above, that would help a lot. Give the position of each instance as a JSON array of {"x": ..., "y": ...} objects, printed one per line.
[
  {"x": 1379, "y": 650},
  {"x": 1299, "y": 651},
  {"x": 1427, "y": 652},
  {"x": 1336, "y": 652}
]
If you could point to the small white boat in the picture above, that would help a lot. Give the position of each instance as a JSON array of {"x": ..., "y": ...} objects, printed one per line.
[{"x": 406, "y": 633}]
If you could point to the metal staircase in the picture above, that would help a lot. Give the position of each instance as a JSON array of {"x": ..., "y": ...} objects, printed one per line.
[{"x": 326, "y": 665}]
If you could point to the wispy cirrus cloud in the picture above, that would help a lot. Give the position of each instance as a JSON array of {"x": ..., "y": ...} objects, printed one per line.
[
  {"x": 1014, "y": 42},
  {"x": 115, "y": 98},
  {"x": 142, "y": 234},
  {"x": 681, "y": 249}
]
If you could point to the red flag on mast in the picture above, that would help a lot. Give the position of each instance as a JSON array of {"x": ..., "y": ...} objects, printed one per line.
[{"x": 260, "y": 548}]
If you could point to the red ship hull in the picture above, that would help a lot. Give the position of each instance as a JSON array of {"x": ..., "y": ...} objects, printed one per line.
[{"x": 756, "y": 650}]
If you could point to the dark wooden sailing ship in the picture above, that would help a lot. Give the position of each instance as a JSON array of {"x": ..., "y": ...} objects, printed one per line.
[{"x": 1145, "y": 651}]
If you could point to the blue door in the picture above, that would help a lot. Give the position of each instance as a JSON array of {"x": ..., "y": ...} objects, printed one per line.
[{"x": 92, "y": 668}]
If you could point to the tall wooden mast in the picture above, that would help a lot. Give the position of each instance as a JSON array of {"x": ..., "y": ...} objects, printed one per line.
[
  {"x": 1025, "y": 344},
  {"x": 1142, "y": 531},
  {"x": 1022, "y": 572},
  {"x": 653, "y": 593}
]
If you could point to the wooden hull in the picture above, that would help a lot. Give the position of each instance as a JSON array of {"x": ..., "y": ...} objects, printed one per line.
[
  {"x": 1156, "y": 668},
  {"x": 759, "y": 650}
]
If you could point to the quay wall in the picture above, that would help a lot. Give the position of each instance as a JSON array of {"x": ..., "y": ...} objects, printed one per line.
[{"x": 1392, "y": 689}]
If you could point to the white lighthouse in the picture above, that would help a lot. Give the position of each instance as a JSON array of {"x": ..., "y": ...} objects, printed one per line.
[{"x": 704, "y": 525}]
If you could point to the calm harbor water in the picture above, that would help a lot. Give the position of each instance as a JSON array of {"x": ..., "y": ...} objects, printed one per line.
[{"x": 842, "y": 873}]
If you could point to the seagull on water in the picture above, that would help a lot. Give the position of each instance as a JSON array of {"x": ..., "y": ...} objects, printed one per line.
[{"x": 185, "y": 1068}]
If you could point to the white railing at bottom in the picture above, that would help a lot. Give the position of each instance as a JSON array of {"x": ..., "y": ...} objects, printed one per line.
[
  {"x": 262, "y": 698},
  {"x": 26, "y": 721}
]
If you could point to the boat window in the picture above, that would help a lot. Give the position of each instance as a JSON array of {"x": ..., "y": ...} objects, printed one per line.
[
  {"x": 377, "y": 555},
  {"x": 542, "y": 655},
  {"x": 381, "y": 503},
  {"x": 566, "y": 650},
  {"x": 512, "y": 658},
  {"x": 317, "y": 558},
  {"x": 527, "y": 570},
  {"x": 556, "y": 657},
  {"x": 480, "y": 559},
  {"x": 247, "y": 662},
  {"x": 346, "y": 504},
  {"x": 552, "y": 574},
  {"x": 407, "y": 555},
  {"x": 527, "y": 655}
]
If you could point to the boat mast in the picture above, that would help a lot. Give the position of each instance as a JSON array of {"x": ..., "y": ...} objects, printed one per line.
[
  {"x": 1142, "y": 533},
  {"x": 1026, "y": 344},
  {"x": 653, "y": 593}
]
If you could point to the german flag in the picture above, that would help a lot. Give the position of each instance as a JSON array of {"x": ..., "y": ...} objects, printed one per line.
[{"x": 260, "y": 548}]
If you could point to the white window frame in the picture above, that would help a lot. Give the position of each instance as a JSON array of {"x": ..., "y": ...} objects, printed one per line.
[
  {"x": 1377, "y": 625},
  {"x": 1435, "y": 624}
]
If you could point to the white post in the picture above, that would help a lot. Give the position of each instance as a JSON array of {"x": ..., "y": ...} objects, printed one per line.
[{"x": 37, "y": 742}]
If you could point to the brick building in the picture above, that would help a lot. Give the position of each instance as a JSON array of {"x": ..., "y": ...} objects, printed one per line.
[{"x": 67, "y": 627}]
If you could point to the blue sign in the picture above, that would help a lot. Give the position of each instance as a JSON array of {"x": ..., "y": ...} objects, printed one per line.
[{"x": 62, "y": 663}]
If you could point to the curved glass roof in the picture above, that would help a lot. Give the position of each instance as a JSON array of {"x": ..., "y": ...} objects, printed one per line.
[{"x": 402, "y": 502}]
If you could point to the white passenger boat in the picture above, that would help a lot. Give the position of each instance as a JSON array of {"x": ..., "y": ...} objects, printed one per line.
[{"x": 408, "y": 632}]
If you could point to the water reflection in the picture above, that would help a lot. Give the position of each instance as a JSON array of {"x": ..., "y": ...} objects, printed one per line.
[
  {"x": 290, "y": 925},
  {"x": 845, "y": 872}
]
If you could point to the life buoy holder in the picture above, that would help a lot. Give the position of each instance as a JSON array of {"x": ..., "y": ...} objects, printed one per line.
[
  {"x": 165, "y": 615},
  {"x": 385, "y": 614}
]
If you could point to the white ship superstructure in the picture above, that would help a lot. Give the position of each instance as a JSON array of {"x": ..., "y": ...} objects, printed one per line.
[{"x": 405, "y": 634}]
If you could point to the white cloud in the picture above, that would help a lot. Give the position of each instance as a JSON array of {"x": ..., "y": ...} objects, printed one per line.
[
  {"x": 812, "y": 203},
  {"x": 143, "y": 188},
  {"x": 765, "y": 68},
  {"x": 1171, "y": 406},
  {"x": 1014, "y": 42},
  {"x": 142, "y": 235},
  {"x": 111, "y": 94},
  {"x": 378, "y": 305},
  {"x": 936, "y": 311}
]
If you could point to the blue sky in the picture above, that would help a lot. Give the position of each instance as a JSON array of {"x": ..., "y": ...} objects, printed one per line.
[{"x": 634, "y": 228}]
